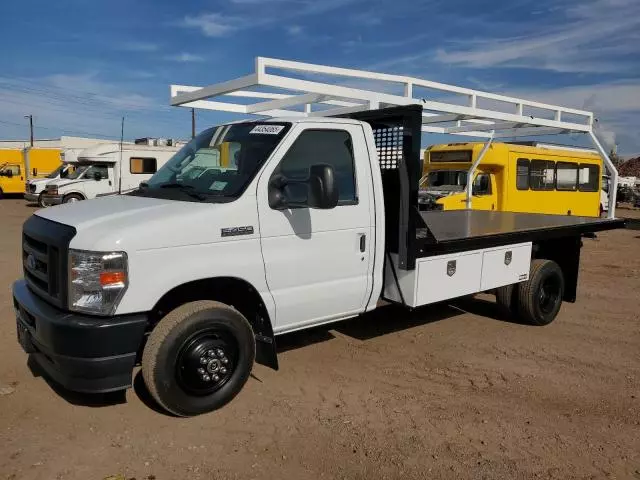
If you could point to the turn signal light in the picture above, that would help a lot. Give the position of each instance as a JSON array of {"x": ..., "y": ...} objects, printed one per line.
[{"x": 112, "y": 278}]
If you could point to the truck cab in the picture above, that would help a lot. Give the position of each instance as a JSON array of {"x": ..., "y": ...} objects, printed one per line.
[
  {"x": 11, "y": 178},
  {"x": 34, "y": 188}
]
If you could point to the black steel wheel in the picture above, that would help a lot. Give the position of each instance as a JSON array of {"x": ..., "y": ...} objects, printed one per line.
[
  {"x": 207, "y": 360},
  {"x": 540, "y": 297},
  {"x": 198, "y": 357}
]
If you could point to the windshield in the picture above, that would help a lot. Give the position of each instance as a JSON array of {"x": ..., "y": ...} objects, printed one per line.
[
  {"x": 56, "y": 172},
  {"x": 88, "y": 171},
  {"x": 79, "y": 171},
  {"x": 449, "y": 179},
  {"x": 220, "y": 162}
]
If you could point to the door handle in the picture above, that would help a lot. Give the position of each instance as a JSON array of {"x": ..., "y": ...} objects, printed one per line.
[{"x": 363, "y": 242}]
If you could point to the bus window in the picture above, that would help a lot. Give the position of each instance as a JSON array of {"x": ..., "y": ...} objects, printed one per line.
[
  {"x": 541, "y": 175},
  {"x": 588, "y": 178},
  {"x": 522, "y": 174},
  {"x": 567, "y": 176}
]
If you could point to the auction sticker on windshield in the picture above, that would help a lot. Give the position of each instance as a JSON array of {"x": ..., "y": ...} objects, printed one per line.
[
  {"x": 218, "y": 185},
  {"x": 267, "y": 129}
]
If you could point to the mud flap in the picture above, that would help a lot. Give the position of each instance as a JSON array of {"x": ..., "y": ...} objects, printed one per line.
[{"x": 266, "y": 353}]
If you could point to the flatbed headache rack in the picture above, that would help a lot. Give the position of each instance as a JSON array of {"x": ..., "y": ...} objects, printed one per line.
[{"x": 398, "y": 121}]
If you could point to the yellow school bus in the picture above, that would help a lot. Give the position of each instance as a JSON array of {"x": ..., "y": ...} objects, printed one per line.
[{"x": 513, "y": 177}]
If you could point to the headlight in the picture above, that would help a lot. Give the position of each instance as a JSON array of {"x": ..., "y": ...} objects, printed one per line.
[{"x": 97, "y": 281}]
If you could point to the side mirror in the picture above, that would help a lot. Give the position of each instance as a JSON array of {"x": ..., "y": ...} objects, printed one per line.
[
  {"x": 322, "y": 191},
  {"x": 97, "y": 176}
]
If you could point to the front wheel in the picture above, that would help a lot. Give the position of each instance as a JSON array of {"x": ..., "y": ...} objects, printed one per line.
[
  {"x": 41, "y": 201},
  {"x": 72, "y": 198},
  {"x": 198, "y": 357}
]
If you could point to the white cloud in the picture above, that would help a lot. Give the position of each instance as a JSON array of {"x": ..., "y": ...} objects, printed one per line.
[
  {"x": 294, "y": 30},
  {"x": 81, "y": 104},
  {"x": 616, "y": 106},
  {"x": 251, "y": 14},
  {"x": 185, "y": 57},
  {"x": 589, "y": 36},
  {"x": 211, "y": 24},
  {"x": 87, "y": 87}
]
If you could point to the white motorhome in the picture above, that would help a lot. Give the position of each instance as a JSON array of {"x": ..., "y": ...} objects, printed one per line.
[
  {"x": 35, "y": 187},
  {"x": 107, "y": 169}
]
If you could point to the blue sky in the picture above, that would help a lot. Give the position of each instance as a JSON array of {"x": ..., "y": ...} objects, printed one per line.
[{"x": 79, "y": 65}]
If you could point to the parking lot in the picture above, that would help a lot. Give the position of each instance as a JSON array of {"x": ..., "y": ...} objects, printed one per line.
[{"x": 447, "y": 391}]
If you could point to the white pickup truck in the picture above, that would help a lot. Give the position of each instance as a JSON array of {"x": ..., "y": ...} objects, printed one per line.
[{"x": 314, "y": 220}]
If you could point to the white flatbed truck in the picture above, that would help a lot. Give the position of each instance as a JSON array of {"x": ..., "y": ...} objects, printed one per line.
[{"x": 316, "y": 220}]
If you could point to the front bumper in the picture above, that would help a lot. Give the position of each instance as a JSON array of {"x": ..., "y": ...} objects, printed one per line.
[
  {"x": 31, "y": 197},
  {"x": 79, "y": 352},
  {"x": 52, "y": 199}
]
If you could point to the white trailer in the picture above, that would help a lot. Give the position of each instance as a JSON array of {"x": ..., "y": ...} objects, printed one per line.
[{"x": 312, "y": 218}]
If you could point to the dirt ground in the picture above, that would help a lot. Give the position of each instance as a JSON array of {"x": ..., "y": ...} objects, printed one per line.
[{"x": 443, "y": 392}]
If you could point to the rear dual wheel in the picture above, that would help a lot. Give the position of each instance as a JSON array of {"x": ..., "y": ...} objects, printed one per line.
[
  {"x": 198, "y": 357},
  {"x": 538, "y": 300}
]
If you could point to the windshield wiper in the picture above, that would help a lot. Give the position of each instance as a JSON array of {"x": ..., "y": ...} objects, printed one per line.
[{"x": 185, "y": 189}]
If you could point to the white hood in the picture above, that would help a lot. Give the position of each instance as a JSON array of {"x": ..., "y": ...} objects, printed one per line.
[
  {"x": 127, "y": 223},
  {"x": 62, "y": 182}
]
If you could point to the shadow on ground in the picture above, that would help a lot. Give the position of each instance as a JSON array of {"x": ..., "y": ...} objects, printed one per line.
[{"x": 383, "y": 321}]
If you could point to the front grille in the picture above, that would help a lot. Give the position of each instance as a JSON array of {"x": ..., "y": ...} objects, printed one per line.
[
  {"x": 45, "y": 249},
  {"x": 31, "y": 188},
  {"x": 36, "y": 262}
]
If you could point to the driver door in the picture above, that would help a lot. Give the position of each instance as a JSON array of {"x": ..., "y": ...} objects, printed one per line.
[
  {"x": 12, "y": 179},
  {"x": 319, "y": 263},
  {"x": 484, "y": 192},
  {"x": 97, "y": 188}
]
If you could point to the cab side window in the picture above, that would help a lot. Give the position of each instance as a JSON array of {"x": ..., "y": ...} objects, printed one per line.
[
  {"x": 481, "y": 184},
  {"x": 332, "y": 147},
  {"x": 102, "y": 170},
  {"x": 14, "y": 169}
]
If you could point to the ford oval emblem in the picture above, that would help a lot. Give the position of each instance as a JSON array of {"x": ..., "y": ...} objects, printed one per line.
[{"x": 31, "y": 262}]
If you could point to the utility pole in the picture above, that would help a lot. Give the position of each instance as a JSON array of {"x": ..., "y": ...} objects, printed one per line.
[
  {"x": 120, "y": 163},
  {"x": 193, "y": 122},
  {"x": 30, "y": 117}
]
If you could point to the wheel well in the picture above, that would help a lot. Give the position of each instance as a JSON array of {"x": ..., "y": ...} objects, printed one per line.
[
  {"x": 74, "y": 194},
  {"x": 231, "y": 291}
]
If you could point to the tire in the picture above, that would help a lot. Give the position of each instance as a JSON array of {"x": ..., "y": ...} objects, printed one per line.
[
  {"x": 540, "y": 297},
  {"x": 185, "y": 348},
  {"x": 72, "y": 197},
  {"x": 507, "y": 299},
  {"x": 41, "y": 203}
]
